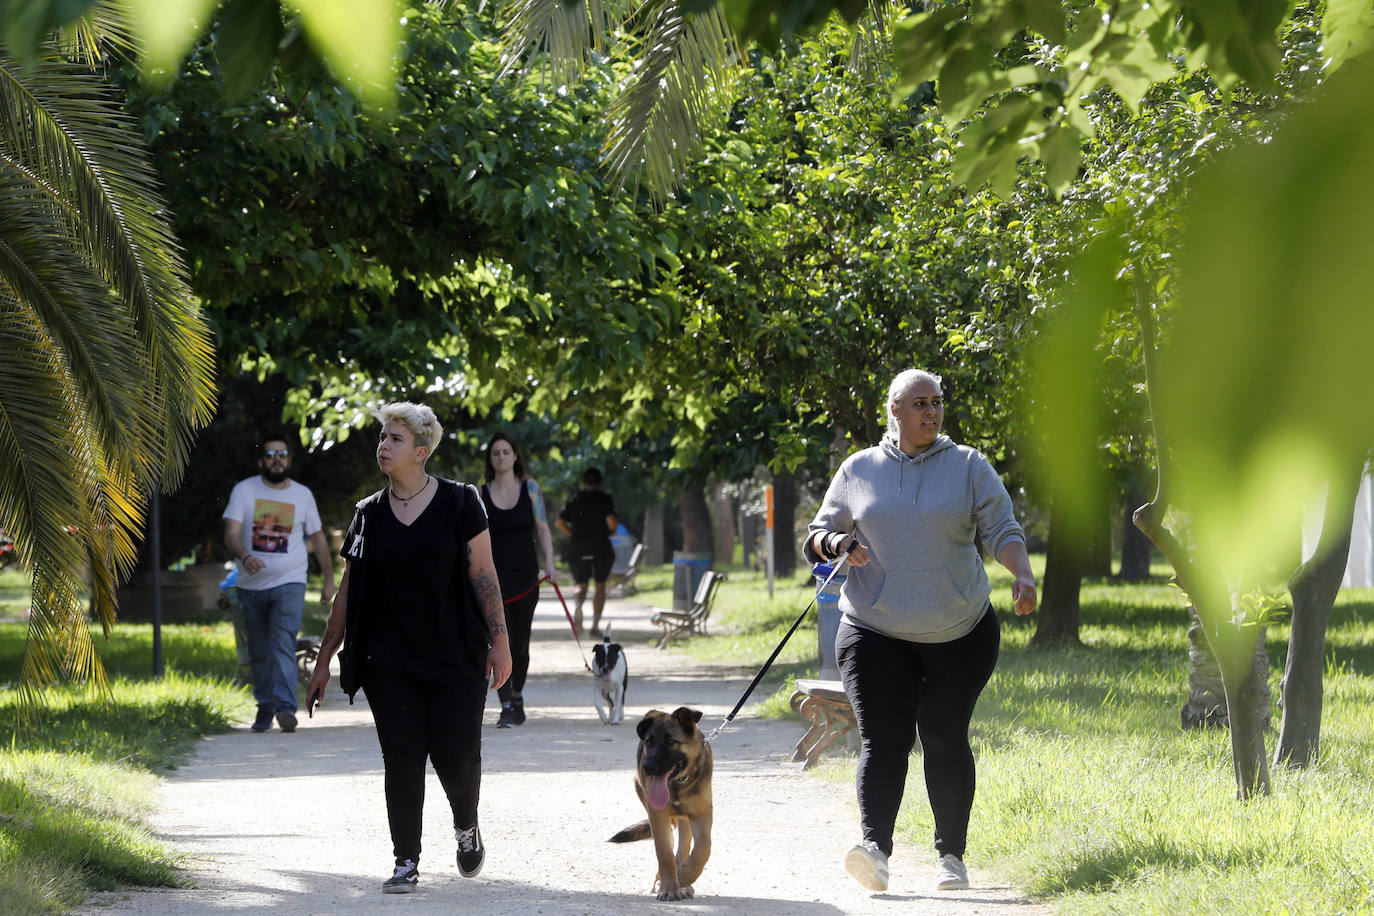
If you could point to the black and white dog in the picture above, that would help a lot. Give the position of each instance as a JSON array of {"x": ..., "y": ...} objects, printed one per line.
[{"x": 612, "y": 680}]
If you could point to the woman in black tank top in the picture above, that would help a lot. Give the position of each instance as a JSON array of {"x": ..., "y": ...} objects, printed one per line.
[{"x": 516, "y": 517}]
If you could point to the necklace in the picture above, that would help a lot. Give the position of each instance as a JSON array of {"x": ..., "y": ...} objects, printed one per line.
[{"x": 405, "y": 500}]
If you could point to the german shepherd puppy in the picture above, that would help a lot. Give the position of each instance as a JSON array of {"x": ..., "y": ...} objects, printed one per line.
[{"x": 673, "y": 781}]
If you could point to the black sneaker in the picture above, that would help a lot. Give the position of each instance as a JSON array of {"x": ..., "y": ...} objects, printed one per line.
[
  {"x": 518, "y": 712},
  {"x": 286, "y": 719},
  {"x": 405, "y": 880},
  {"x": 507, "y": 717},
  {"x": 471, "y": 852},
  {"x": 264, "y": 720}
]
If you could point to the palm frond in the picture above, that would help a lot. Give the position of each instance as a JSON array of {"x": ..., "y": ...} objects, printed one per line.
[
  {"x": 106, "y": 363},
  {"x": 872, "y": 48},
  {"x": 684, "y": 80},
  {"x": 70, "y": 135},
  {"x": 557, "y": 33},
  {"x": 106, "y": 24}
]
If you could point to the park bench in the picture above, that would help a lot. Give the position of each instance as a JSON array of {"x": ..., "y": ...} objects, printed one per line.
[
  {"x": 825, "y": 706},
  {"x": 625, "y": 582},
  {"x": 692, "y": 620}
]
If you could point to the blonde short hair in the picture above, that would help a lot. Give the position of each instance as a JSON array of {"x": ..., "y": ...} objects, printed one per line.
[
  {"x": 419, "y": 419},
  {"x": 901, "y": 384}
]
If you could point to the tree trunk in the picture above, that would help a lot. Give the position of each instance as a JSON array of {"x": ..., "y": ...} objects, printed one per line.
[
  {"x": 1135, "y": 546},
  {"x": 654, "y": 537},
  {"x": 724, "y": 515},
  {"x": 696, "y": 519},
  {"x": 1247, "y": 707},
  {"x": 1314, "y": 586},
  {"x": 784, "y": 525},
  {"x": 1058, "y": 618},
  {"x": 1206, "y": 703}
]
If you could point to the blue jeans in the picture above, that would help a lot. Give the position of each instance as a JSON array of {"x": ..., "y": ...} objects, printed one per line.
[{"x": 272, "y": 618}]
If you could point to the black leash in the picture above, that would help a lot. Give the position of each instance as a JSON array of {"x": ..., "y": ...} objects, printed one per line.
[{"x": 839, "y": 561}]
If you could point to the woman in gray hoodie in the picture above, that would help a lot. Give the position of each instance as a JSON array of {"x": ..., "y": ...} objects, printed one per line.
[{"x": 918, "y": 639}]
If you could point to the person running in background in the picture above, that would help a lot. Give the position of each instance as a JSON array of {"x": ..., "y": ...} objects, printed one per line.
[
  {"x": 516, "y": 516},
  {"x": 589, "y": 521}
]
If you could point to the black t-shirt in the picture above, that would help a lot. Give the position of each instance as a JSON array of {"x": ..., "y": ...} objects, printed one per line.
[
  {"x": 586, "y": 515},
  {"x": 512, "y": 542},
  {"x": 419, "y": 613}
]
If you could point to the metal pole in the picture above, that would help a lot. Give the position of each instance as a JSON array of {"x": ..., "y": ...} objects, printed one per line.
[
  {"x": 768, "y": 532},
  {"x": 157, "y": 580}
]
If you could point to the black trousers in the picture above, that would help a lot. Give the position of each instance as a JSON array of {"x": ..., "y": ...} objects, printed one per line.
[
  {"x": 519, "y": 624},
  {"x": 901, "y": 690},
  {"x": 418, "y": 721}
]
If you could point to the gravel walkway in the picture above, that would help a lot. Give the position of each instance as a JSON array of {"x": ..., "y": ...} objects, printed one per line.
[{"x": 297, "y": 823}]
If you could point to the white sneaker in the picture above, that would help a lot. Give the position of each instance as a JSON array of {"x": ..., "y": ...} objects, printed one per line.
[
  {"x": 867, "y": 863},
  {"x": 950, "y": 874}
]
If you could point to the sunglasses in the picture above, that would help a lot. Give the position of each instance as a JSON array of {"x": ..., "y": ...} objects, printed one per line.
[{"x": 277, "y": 453}]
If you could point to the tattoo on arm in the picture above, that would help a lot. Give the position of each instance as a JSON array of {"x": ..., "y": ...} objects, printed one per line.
[
  {"x": 537, "y": 498},
  {"x": 489, "y": 598},
  {"x": 331, "y": 641}
]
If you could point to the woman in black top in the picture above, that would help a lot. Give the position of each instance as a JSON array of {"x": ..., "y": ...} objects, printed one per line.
[
  {"x": 515, "y": 513},
  {"x": 420, "y": 622}
]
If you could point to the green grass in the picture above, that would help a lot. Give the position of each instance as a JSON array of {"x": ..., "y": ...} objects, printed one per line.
[
  {"x": 1091, "y": 797},
  {"x": 77, "y": 787}
]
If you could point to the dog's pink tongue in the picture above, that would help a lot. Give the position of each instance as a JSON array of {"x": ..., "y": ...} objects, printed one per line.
[{"x": 658, "y": 792}]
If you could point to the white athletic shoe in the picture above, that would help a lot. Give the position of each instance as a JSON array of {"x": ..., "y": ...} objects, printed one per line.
[
  {"x": 950, "y": 874},
  {"x": 867, "y": 863}
]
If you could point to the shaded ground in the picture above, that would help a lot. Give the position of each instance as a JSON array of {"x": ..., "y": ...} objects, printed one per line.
[{"x": 297, "y": 823}]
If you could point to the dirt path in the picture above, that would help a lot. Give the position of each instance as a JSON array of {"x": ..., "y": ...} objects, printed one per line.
[{"x": 297, "y": 823}]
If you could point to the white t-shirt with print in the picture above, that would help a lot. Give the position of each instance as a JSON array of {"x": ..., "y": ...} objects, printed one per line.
[{"x": 273, "y": 526}]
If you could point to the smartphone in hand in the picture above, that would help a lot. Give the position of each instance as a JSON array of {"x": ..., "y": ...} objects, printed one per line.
[{"x": 312, "y": 702}]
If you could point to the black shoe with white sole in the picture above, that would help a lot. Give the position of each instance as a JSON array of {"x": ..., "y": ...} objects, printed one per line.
[
  {"x": 405, "y": 880},
  {"x": 471, "y": 852}
]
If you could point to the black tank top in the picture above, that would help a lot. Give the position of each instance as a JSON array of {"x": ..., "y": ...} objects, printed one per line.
[{"x": 512, "y": 542}]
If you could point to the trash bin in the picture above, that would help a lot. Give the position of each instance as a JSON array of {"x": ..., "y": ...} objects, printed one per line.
[
  {"x": 623, "y": 543},
  {"x": 688, "y": 571},
  {"x": 827, "y": 618}
]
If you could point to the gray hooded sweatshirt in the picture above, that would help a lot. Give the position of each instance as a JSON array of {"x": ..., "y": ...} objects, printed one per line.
[{"x": 924, "y": 580}]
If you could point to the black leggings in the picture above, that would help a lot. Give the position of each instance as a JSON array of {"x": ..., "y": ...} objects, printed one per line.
[
  {"x": 519, "y": 623},
  {"x": 441, "y": 721},
  {"x": 900, "y": 690}
]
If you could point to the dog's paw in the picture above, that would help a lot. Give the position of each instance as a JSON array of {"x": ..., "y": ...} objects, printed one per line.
[{"x": 681, "y": 893}]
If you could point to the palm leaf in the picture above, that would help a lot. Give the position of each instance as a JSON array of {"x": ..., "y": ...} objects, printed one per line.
[
  {"x": 558, "y": 33},
  {"x": 106, "y": 365},
  {"x": 684, "y": 79}
]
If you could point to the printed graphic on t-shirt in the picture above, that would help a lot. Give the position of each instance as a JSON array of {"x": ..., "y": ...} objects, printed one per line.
[{"x": 272, "y": 524}]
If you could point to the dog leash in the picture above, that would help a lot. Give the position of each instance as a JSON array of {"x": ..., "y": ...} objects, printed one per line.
[
  {"x": 568, "y": 614},
  {"x": 839, "y": 561}
]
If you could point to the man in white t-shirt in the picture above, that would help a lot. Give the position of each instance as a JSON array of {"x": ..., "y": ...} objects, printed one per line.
[{"x": 267, "y": 524}]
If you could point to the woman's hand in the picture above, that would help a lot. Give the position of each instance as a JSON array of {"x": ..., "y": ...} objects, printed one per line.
[
  {"x": 314, "y": 692},
  {"x": 856, "y": 557},
  {"x": 499, "y": 664},
  {"x": 1023, "y": 595},
  {"x": 550, "y": 573}
]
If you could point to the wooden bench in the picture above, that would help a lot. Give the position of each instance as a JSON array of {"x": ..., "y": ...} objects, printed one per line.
[
  {"x": 692, "y": 620},
  {"x": 625, "y": 582},
  {"x": 825, "y": 706}
]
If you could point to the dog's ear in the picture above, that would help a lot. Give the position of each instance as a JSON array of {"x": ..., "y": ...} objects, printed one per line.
[
  {"x": 688, "y": 717},
  {"x": 646, "y": 723}
]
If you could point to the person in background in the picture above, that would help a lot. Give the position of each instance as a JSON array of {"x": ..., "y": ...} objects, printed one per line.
[
  {"x": 419, "y": 625},
  {"x": 516, "y": 519},
  {"x": 589, "y": 521},
  {"x": 268, "y": 522},
  {"x": 918, "y": 639}
]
